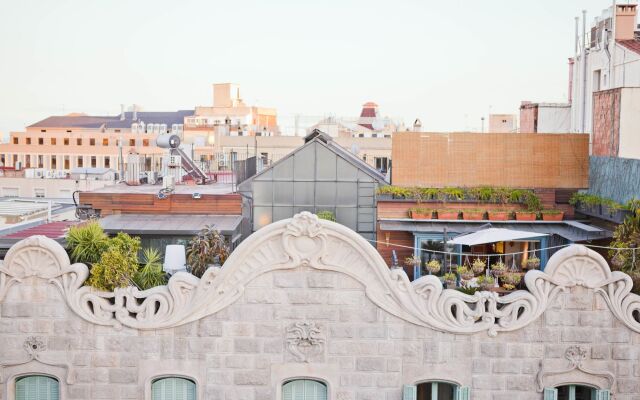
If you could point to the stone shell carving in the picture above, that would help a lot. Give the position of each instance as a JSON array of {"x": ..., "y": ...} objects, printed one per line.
[
  {"x": 576, "y": 355},
  {"x": 34, "y": 347},
  {"x": 304, "y": 240},
  {"x": 304, "y": 340}
]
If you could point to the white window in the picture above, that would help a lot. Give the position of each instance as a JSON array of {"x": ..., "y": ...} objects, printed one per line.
[
  {"x": 576, "y": 392},
  {"x": 38, "y": 387},
  {"x": 304, "y": 389},
  {"x": 435, "y": 391},
  {"x": 173, "y": 388},
  {"x": 39, "y": 192}
]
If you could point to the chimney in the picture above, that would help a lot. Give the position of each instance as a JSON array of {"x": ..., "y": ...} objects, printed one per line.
[
  {"x": 625, "y": 24},
  {"x": 121, "y": 112},
  {"x": 135, "y": 113}
]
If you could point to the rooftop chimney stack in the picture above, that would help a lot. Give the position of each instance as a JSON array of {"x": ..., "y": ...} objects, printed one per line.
[
  {"x": 135, "y": 113},
  {"x": 625, "y": 23}
]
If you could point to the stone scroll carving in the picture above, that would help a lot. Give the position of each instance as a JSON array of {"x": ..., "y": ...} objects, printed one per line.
[
  {"x": 304, "y": 340},
  {"x": 34, "y": 347},
  {"x": 576, "y": 355},
  {"x": 304, "y": 240}
]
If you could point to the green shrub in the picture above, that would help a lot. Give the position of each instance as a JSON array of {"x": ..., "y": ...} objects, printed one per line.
[
  {"x": 208, "y": 247},
  {"x": 327, "y": 215},
  {"x": 117, "y": 265},
  {"x": 151, "y": 273},
  {"x": 87, "y": 242}
]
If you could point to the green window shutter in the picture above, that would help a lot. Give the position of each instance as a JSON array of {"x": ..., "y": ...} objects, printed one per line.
[
  {"x": 173, "y": 389},
  {"x": 37, "y": 387},
  {"x": 550, "y": 394},
  {"x": 603, "y": 394},
  {"x": 409, "y": 392},
  {"x": 304, "y": 389},
  {"x": 462, "y": 393}
]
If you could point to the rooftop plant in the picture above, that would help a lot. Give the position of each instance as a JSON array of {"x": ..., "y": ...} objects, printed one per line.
[
  {"x": 117, "y": 265},
  {"x": 151, "y": 273},
  {"x": 327, "y": 215},
  {"x": 206, "y": 248},
  {"x": 87, "y": 242}
]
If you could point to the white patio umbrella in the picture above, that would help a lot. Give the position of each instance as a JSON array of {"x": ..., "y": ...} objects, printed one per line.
[{"x": 492, "y": 235}]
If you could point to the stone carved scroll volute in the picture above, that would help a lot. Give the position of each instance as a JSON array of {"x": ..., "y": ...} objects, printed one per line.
[
  {"x": 576, "y": 357},
  {"x": 307, "y": 241}
]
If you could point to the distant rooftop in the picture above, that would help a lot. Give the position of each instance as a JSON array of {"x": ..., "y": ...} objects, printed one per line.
[
  {"x": 630, "y": 44},
  {"x": 89, "y": 121},
  {"x": 211, "y": 188}
]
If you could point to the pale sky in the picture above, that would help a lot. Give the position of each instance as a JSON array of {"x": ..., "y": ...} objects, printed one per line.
[{"x": 447, "y": 62}]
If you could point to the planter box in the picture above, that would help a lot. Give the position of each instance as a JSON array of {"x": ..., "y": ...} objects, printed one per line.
[
  {"x": 421, "y": 215},
  {"x": 472, "y": 215},
  {"x": 498, "y": 215},
  {"x": 448, "y": 215},
  {"x": 553, "y": 217},
  {"x": 525, "y": 216}
]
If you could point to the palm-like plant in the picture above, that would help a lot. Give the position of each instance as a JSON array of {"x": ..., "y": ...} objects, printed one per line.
[
  {"x": 151, "y": 273},
  {"x": 208, "y": 247},
  {"x": 87, "y": 242}
]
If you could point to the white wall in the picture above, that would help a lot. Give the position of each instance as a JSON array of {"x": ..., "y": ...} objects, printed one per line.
[
  {"x": 630, "y": 123},
  {"x": 552, "y": 119},
  {"x": 53, "y": 188}
]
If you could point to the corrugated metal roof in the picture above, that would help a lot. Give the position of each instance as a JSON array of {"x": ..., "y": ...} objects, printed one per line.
[
  {"x": 52, "y": 230},
  {"x": 168, "y": 224}
]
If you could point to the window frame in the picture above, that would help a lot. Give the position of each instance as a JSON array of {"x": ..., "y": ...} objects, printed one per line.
[
  {"x": 280, "y": 391},
  {"x": 14, "y": 373},
  {"x": 200, "y": 387},
  {"x": 154, "y": 380}
]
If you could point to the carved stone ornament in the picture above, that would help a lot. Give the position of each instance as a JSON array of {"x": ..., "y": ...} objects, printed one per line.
[
  {"x": 576, "y": 355},
  {"x": 304, "y": 240},
  {"x": 304, "y": 341},
  {"x": 34, "y": 346}
]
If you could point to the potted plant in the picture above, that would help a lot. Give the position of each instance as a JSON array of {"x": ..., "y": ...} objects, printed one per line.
[
  {"x": 508, "y": 286},
  {"x": 412, "y": 261},
  {"x": 465, "y": 273},
  {"x": 486, "y": 282},
  {"x": 420, "y": 213},
  {"x": 473, "y": 214},
  {"x": 552, "y": 215},
  {"x": 478, "y": 266},
  {"x": 433, "y": 266},
  {"x": 498, "y": 215},
  {"x": 447, "y": 214},
  {"x": 450, "y": 279},
  {"x": 512, "y": 278},
  {"x": 205, "y": 249},
  {"x": 498, "y": 269},
  {"x": 526, "y": 215},
  {"x": 533, "y": 262}
]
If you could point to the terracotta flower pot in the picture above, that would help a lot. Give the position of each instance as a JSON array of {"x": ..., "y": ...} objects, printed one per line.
[
  {"x": 553, "y": 217},
  {"x": 498, "y": 215},
  {"x": 525, "y": 216},
  {"x": 447, "y": 215},
  {"x": 472, "y": 215}
]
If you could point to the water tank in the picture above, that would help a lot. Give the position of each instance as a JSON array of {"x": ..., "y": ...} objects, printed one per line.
[
  {"x": 168, "y": 141},
  {"x": 174, "y": 259}
]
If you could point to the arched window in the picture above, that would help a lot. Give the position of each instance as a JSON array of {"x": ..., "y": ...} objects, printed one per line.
[
  {"x": 435, "y": 390},
  {"x": 37, "y": 387},
  {"x": 173, "y": 388},
  {"x": 576, "y": 392},
  {"x": 304, "y": 389}
]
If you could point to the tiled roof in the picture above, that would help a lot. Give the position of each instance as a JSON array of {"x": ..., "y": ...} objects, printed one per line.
[
  {"x": 630, "y": 44},
  {"x": 88, "y": 121},
  {"x": 53, "y": 230}
]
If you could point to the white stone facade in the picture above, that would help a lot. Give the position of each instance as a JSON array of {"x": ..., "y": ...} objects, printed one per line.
[{"x": 305, "y": 298}]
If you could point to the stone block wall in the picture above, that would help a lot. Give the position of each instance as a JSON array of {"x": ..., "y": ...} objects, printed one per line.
[{"x": 328, "y": 312}]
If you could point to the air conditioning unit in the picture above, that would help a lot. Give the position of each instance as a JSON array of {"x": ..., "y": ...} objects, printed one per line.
[
  {"x": 169, "y": 182},
  {"x": 175, "y": 161}
]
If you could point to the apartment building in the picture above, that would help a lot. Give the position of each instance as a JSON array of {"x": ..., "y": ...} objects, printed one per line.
[{"x": 85, "y": 141}]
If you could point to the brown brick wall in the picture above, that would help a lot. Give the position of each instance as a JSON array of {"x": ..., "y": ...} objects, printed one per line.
[
  {"x": 525, "y": 160},
  {"x": 606, "y": 122}
]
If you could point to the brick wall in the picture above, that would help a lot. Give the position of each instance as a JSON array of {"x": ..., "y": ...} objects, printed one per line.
[
  {"x": 524, "y": 160},
  {"x": 606, "y": 122}
]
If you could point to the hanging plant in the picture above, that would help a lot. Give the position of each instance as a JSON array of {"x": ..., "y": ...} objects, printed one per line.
[
  {"x": 433, "y": 266},
  {"x": 498, "y": 269},
  {"x": 478, "y": 266},
  {"x": 533, "y": 262},
  {"x": 412, "y": 261},
  {"x": 465, "y": 273}
]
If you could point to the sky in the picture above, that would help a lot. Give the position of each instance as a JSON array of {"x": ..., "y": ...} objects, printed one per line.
[{"x": 446, "y": 62}]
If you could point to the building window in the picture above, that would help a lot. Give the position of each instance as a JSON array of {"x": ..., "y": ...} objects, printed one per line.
[
  {"x": 28, "y": 140},
  {"x": 10, "y": 192},
  {"x": 145, "y": 142},
  {"x": 132, "y": 142},
  {"x": 575, "y": 392},
  {"x": 66, "y": 162},
  {"x": 65, "y": 141},
  {"x": 54, "y": 162},
  {"x": 53, "y": 141},
  {"x": 80, "y": 162},
  {"x": 27, "y": 161},
  {"x": 105, "y": 141},
  {"x": 107, "y": 162},
  {"x": 15, "y": 140},
  {"x": 94, "y": 161},
  {"x": 117, "y": 131},
  {"x": 40, "y": 161},
  {"x": 304, "y": 389},
  {"x": 40, "y": 140},
  {"x": 435, "y": 391},
  {"x": 382, "y": 164},
  {"x": 79, "y": 142},
  {"x": 37, "y": 387},
  {"x": 39, "y": 193},
  {"x": 43, "y": 130},
  {"x": 173, "y": 388},
  {"x": 92, "y": 142}
]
